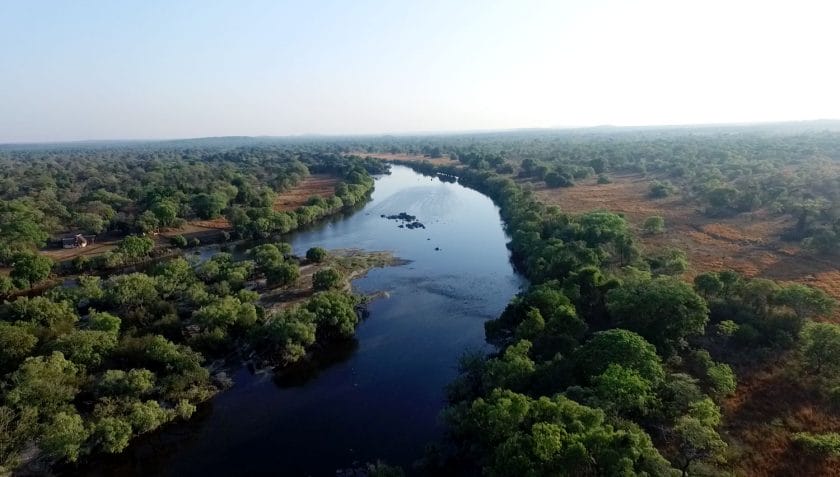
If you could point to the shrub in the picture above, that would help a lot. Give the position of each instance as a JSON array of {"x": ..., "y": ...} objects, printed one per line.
[
  {"x": 823, "y": 444},
  {"x": 326, "y": 279},
  {"x": 316, "y": 254},
  {"x": 654, "y": 225}
]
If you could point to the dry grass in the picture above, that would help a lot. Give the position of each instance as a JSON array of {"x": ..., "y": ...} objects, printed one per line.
[
  {"x": 748, "y": 243},
  {"x": 322, "y": 185},
  {"x": 769, "y": 406}
]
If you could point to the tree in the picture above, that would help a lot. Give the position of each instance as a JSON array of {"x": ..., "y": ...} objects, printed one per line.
[
  {"x": 135, "y": 247},
  {"x": 623, "y": 391},
  {"x": 48, "y": 317},
  {"x": 664, "y": 310},
  {"x": 47, "y": 382},
  {"x": 86, "y": 347},
  {"x": 133, "y": 383},
  {"x": 29, "y": 269},
  {"x": 335, "y": 314},
  {"x": 621, "y": 347},
  {"x": 225, "y": 312},
  {"x": 111, "y": 434},
  {"x": 283, "y": 274},
  {"x": 266, "y": 256},
  {"x": 21, "y": 225},
  {"x": 819, "y": 344},
  {"x": 165, "y": 212},
  {"x": 147, "y": 416},
  {"x": 287, "y": 334},
  {"x": 708, "y": 284},
  {"x": 316, "y": 254},
  {"x": 147, "y": 222},
  {"x": 805, "y": 301},
  {"x": 209, "y": 206},
  {"x": 64, "y": 436},
  {"x": 517, "y": 435},
  {"x": 16, "y": 343},
  {"x": 131, "y": 290},
  {"x": 326, "y": 279},
  {"x": 90, "y": 223},
  {"x": 698, "y": 439},
  {"x": 654, "y": 225}
]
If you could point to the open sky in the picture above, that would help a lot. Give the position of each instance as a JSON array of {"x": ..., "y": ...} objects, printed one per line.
[{"x": 164, "y": 69}]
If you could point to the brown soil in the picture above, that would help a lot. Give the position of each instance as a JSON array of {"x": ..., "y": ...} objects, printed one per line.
[
  {"x": 748, "y": 243},
  {"x": 386, "y": 156}
]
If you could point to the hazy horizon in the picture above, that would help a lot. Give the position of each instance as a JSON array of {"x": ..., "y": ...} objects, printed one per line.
[{"x": 157, "y": 71}]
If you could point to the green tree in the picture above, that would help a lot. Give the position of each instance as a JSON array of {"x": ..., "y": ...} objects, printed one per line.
[
  {"x": 805, "y": 301},
  {"x": 111, "y": 434},
  {"x": 131, "y": 290},
  {"x": 165, "y": 212},
  {"x": 517, "y": 435},
  {"x": 623, "y": 391},
  {"x": 86, "y": 347},
  {"x": 29, "y": 269},
  {"x": 708, "y": 284},
  {"x": 266, "y": 256},
  {"x": 46, "y": 382},
  {"x": 335, "y": 314},
  {"x": 284, "y": 274},
  {"x": 64, "y": 436},
  {"x": 21, "y": 225},
  {"x": 316, "y": 254},
  {"x": 134, "y": 382},
  {"x": 326, "y": 279},
  {"x": 664, "y": 310},
  {"x": 135, "y": 247},
  {"x": 819, "y": 344},
  {"x": 698, "y": 441},
  {"x": 620, "y": 347},
  {"x": 209, "y": 206},
  {"x": 16, "y": 343}
]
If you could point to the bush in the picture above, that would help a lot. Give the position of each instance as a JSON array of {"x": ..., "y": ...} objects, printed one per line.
[
  {"x": 316, "y": 254},
  {"x": 654, "y": 225},
  {"x": 326, "y": 279},
  {"x": 661, "y": 189},
  {"x": 179, "y": 241},
  {"x": 822, "y": 444}
]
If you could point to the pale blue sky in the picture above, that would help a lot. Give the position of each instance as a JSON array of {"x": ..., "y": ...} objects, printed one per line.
[{"x": 163, "y": 69}]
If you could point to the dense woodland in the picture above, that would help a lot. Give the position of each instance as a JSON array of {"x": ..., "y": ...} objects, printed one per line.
[
  {"x": 90, "y": 364},
  {"x": 610, "y": 363}
]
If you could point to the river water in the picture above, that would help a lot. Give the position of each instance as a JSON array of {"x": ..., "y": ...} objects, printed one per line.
[{"x": 380, "y": 397}]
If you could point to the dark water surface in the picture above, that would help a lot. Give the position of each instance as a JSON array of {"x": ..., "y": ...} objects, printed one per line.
[{"x": 380, "y": 397}]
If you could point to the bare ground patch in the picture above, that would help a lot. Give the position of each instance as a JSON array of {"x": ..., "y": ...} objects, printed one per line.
[{"x": 748, "y": 243}]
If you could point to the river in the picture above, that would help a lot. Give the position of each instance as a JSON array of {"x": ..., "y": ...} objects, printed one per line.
[{"x": 380, "y": 397}]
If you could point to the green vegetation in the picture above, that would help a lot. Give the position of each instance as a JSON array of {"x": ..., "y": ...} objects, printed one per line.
[
  {"x": 87, "y": 366},
  {"x": 611, "y": 334}
]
